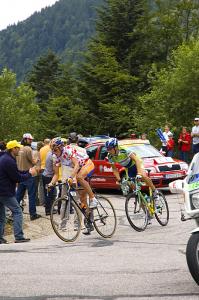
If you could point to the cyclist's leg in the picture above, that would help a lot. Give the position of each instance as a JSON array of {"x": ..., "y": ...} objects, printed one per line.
[
  {"x": 132, "y": 172},
  {"x": 147, "y": 180},
  {"x": 87, "y": 211},
  {"x": 82, "y": 174},
  {"x": 83, "y": 198}
]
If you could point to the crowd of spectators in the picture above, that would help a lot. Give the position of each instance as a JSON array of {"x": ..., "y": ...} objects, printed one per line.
[
  {"x": 27, "y": 171},
  {"x": 183, "y": 145},
  {"x": 24, "y": 170}
]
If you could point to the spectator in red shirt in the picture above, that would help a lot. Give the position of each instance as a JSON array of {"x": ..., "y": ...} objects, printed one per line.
[
  {"x": 184, "y": 144},
  {"x": 170, "y": 145}
]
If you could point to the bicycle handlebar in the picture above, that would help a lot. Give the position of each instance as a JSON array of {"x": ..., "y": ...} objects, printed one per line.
[{"x": 74, "y": 187}]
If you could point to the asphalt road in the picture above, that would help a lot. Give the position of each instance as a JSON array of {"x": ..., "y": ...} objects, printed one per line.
[{"x": 130, "y": 265}]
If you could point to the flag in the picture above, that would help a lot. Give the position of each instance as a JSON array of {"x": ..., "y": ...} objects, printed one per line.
[{"x": 161, "y": 135}]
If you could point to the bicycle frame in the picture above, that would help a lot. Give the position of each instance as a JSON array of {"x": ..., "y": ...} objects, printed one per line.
[
  {"x": 137, "y": 183},
  {"x": 86, "y": 212}
]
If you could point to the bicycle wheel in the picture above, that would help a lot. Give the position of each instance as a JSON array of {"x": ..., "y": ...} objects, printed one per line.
[
  {"x": 162, "y": 210},
  {"x": 136, "y": 212},
  {"x": 66, "y": 223},
  {"x": 104, "y": 217}
]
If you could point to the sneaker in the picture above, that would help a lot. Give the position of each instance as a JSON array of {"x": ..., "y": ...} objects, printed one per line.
[
  {"x": 88, "y": 230},
  {"x": 34, "y": 217},
  {"x": 88, "y": 227},
  {"x": 22, "y": 240},
  {"x": 93, "y": 203},
  {"x": 3, "y": 241}
]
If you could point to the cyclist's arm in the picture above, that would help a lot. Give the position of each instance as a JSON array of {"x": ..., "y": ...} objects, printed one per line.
[
  {"x": 55, "y": 176},
  {"x": 115, "y": 172}
]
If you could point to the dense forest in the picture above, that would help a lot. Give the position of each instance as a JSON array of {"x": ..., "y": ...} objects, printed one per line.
[
  {"x": 64, "y": 28},
  {"x": 137, "y": 71}
]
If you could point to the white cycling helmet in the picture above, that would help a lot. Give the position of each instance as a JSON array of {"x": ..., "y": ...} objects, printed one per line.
[{"x": 28, "y": 136}]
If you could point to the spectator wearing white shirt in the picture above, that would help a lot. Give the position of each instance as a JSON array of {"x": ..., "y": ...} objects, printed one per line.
[
  {"x": 195, "y": 136},
  {"x": 166, "y": 134}
]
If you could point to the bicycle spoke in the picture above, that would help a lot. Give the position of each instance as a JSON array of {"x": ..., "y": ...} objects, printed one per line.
[
  {"x": 104, "y": 217},
  {"x": 136, "y": 212},
  {"x": 66, "y": 222},
  {"x": 162, "y": 210}
]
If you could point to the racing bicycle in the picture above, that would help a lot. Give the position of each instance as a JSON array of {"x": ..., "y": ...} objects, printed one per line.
[
  {"x": 67, "y": 222},
  {"x": 140, "y": 207}
]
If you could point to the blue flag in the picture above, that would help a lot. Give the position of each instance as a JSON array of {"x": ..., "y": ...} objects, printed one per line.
[{"x": 161, "y": 135}]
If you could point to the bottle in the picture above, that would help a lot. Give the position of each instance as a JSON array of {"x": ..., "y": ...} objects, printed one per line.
[{"x": 147, "y": 198}]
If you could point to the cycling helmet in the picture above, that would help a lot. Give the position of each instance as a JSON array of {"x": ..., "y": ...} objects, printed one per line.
[
  {"x": 56, "y": 143},
  {"x": 111, "y": 143},
  {"x": 73, "y": 137}
]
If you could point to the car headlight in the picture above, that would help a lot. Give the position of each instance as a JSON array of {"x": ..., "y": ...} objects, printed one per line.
[
  {"x": 195, "y": 200},
  {"x": 184, "y": 166}
]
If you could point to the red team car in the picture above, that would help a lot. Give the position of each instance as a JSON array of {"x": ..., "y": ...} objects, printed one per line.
[{"x": 162, "y": 170}]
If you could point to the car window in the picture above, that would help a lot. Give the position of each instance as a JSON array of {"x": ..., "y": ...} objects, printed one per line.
[
  {"x": 91, "y": 151},
  {"x": 144, "y": 151},
  {"x": 103, "y": 153}
]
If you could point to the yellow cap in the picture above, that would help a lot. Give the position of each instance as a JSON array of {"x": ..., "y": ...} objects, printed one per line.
[{"x": 13, "y": 144}]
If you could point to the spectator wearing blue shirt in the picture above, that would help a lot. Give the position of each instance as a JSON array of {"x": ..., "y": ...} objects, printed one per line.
[{"x": 9, "y": 176}]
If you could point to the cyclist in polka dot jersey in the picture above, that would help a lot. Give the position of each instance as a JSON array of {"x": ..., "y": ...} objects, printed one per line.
[{"x": 83, "y": 167}]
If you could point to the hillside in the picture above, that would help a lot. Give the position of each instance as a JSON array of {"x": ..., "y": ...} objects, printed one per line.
[{"x": 64, "y": 28}]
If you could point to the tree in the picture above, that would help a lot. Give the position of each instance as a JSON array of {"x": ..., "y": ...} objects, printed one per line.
[
  {"x": 64, "y": 116},
  {"x": 104, "y": 81},
  {"x": 162, "y": 26},
  {"x": 118, "y": 118},
  {"x": 116, "y": 23},
  {"x": 175, "y": 92},
  {"x": 43, "y": 77},
  {"x": 19, "y": 112}
]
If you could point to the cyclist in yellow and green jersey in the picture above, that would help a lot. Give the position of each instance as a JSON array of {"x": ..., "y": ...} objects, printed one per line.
[{"x": 131, "y": 161}]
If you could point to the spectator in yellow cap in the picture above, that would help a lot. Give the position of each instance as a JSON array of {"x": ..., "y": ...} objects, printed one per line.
[{"x": 9, "y": 176}]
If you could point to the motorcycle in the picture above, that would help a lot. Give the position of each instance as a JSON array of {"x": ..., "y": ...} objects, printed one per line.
[{"x": 189, "y": 187}]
